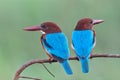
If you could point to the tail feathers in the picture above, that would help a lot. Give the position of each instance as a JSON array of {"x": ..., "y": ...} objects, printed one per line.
[
  {"x": 85, "y": 65},
  {"x": 67, "y": 67}
]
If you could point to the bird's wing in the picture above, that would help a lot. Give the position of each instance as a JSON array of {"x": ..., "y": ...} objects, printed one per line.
[
  {"x": 83, "y": 42},
  {"x": 57, "y": 45}
]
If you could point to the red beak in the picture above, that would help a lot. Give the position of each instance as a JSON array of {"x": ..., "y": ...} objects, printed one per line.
[
  {"x": 97, "y": 21},
  {"x": 33, "y": 28}
]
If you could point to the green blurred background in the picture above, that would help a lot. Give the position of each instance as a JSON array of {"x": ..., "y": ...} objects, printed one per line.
[{"x": 17, "y": 46}]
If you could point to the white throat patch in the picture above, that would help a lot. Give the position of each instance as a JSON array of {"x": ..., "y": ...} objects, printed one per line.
[{"x": 42, "y": 32}]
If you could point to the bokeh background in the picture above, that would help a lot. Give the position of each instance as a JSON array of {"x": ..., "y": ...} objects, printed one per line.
[{"x": 17, "y": 46}]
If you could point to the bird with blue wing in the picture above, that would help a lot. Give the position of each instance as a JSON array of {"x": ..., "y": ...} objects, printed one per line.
[
  {"x": 54, "y": 43},
  {"x": 84, "y": 40}
]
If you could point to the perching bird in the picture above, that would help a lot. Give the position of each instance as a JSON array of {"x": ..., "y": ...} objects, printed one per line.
[
  {"x": 84, "y": 40},
  {"x": 54, "y": 42}
]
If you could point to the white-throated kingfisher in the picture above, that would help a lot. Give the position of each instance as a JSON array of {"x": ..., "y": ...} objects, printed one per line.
[
  {"x": 84, "y": 40},
  {"x": 54, "y": 42}
]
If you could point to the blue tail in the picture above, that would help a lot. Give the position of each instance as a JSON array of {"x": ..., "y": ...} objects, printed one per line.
[
  {"x": 66, "y": 67},
  {"x": 85, "y": 65}
]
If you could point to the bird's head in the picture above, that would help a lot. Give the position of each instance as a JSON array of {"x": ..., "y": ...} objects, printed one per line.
[
  {"x": 87, "y": 24},
  {"x": 45, "y": 28}
]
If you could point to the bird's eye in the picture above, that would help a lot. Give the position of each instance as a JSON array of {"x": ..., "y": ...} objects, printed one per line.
[
  {"x": 91, "y": 22},
  {"x": 43, "y": 26}
]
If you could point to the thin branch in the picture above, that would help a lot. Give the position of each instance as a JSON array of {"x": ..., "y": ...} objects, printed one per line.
[
  {"x": 29, "y": 78},
  {"x": 47, "y": 70},
  {"x": 22, "y": 68},
  {"x": 105, "y": 55}
]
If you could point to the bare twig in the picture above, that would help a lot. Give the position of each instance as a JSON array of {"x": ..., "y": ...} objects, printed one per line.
[
  {"x": 105, "y": 55},
  {"x": 29, "y": 78},
  {"x": 22, "y": 68},
  {"x": 48, "y": 70}
]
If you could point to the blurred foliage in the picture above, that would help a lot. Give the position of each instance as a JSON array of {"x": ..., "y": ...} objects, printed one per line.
[{"x": 18, "y": 47}]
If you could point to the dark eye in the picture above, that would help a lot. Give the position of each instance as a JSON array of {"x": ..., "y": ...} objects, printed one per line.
[
  {"x": 91, "y": 22},
  {"x": 43, "y": 26}
]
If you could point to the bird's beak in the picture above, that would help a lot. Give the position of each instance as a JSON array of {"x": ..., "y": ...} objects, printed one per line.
[
  {"x": 33, "y": 28},
  {"x": 97, "y": 21}
]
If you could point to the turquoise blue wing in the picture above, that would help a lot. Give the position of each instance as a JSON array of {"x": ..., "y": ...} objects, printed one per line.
[
  {"x": 83, "y": 42},
  {"x": 57, "y": 45}
]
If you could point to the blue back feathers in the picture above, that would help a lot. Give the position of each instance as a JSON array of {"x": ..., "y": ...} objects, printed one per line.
[
  {"x": 57, "y": 45},
  {"x": 83, "y": 41}
]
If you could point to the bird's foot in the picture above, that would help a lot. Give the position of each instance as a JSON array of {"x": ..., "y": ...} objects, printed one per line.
[
  {"x": 91, "y": 56},
  {"x": 51, "y": 59}
]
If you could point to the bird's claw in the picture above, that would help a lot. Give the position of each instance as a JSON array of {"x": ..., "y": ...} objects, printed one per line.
[{"x": 50, "y": 59}]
